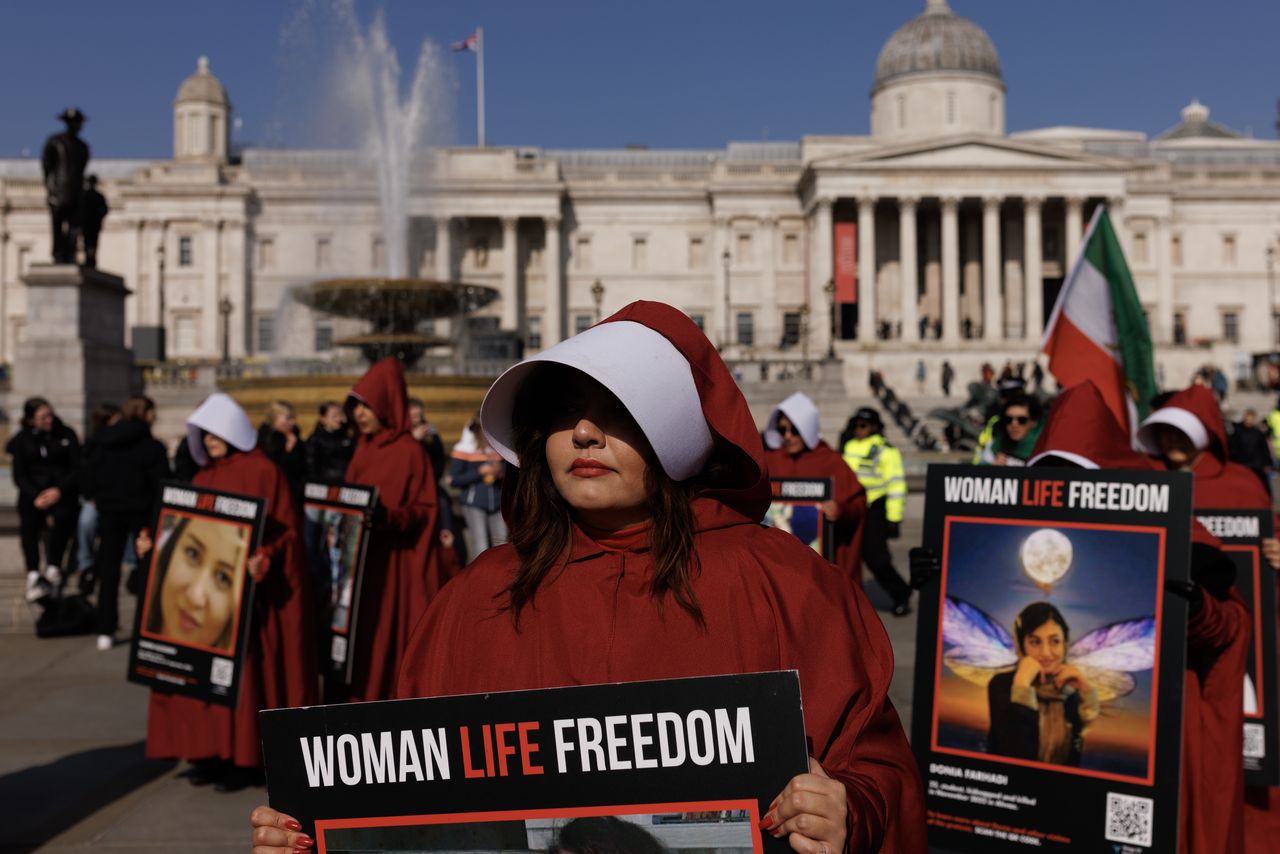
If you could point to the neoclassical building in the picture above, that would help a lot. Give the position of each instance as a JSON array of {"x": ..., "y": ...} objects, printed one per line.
[{"x": 946, "y": 234}]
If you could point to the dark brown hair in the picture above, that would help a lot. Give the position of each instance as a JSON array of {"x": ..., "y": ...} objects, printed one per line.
[
  {"x": 540, "y": 517},
  {"x": 136, "y": 408}
]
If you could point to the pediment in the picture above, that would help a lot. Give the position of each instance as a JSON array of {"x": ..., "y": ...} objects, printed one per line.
[{"x": 967, "y": 153}]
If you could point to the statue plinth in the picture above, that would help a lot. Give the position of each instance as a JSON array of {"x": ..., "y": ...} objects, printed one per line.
[{"x": 72, "y": 351}]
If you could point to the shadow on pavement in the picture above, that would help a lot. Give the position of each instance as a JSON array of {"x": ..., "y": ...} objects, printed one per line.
[{"x": 44, "y": 801}]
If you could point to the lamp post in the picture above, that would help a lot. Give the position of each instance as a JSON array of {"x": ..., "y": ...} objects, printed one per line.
[
  {"x": 597, "y": 296},
  {"x": 726, "y": 258},
  {"x": 1271, "y": 292},
  {"x": 830, "y": 288},
  {"x": 224, "y": 308}
]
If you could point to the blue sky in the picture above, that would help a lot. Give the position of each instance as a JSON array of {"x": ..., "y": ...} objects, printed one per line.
[{"x": 592, "y": 73}]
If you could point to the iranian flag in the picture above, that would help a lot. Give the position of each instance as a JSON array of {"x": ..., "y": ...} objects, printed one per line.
[{"x": 1098, "y": 330}]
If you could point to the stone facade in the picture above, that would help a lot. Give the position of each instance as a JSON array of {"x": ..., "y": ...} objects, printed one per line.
[{"x": 964, "y": 231}]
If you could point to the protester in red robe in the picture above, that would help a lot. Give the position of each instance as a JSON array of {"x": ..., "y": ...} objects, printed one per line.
[
  {"x": 279, "y": 668},
  {"x": 796, "y": 450},
  {"x": 1188, "y": 433},
  {"x": 401, "y": 568},
  {"x": 637, "y": 553}
]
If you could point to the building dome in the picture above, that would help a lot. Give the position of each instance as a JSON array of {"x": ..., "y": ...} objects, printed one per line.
[
  {"x": 202, "y": 87},
  {"x": 937, "y": 40}
]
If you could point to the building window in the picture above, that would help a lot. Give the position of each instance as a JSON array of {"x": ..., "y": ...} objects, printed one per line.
[
  {"x": 324, "y": 336},
  {"x": 1229, "y": 250},
  {"x": 1179, "y": 328},
  {"x": 1140, "y": 247},
  {"x": 951, "y": 108},
  {"x": 480, "y": 253},
  {"x": 639, "y": 253},
  {"x": 184, "y": 251},
  {"x": 185, "y": 342},
  {"x": 378, "y": 254},
  {"x": 791, "y": 248},
  {"x": 582, "y": 253},
  {"x": 746, "y": 329},
  {"x": 1175, "y": 250},
  {"x": 581, "y": 323},
  {"x": 697, "y": 253},
  {"x": 324, "y": 253},
  {"x": 266, "y": 253},
  {"x": 1231, "y": 327},
  {"x": 1050, "y": 247},
  {"x": 790, "y": 329},
  {"x": 745, "y": 249},
  {"x": 266, "y": 333},
  {"x": 533, "y": 332}
]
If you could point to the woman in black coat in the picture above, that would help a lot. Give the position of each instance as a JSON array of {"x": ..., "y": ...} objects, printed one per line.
[
  {"x": 46, "y": 460},
  {"x": 124, "y": 475}
]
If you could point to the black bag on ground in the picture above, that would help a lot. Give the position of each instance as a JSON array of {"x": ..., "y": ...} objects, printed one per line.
[{"x": 72, "y": 614}]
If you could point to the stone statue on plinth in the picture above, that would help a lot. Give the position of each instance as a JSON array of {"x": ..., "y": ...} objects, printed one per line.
[
  {"x": 93, "y": 210},
  {"x": 64, "y": 160}
]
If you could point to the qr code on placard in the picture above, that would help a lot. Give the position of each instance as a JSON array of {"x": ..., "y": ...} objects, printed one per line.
[
  {"x": 1129, "y": 819},
  {"x": 338, "y": 650},
  {"x": 1254, "y": 743},
  {"x": 222, "y": 672}
]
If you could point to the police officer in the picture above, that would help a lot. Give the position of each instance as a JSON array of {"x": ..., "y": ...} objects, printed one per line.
[
  {"x": 1273, "y": 427},
  {"x": 878, "y": 466}
]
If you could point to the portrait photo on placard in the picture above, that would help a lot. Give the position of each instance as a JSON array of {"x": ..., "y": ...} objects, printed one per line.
[
  {"x": 340, "y": 550},
  {"x": 197, "y": 581},
  {"x": 1048, "y": 648}
]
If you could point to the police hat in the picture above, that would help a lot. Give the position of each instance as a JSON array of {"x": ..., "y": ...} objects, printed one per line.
[{"x": 871, "y": 416}]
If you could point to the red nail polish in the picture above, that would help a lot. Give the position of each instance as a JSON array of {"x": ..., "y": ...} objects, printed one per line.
[
  {"x": 304, "y": 842},
  {"x": 766, "y": 823},
  {"x": 292, "y": 825}
]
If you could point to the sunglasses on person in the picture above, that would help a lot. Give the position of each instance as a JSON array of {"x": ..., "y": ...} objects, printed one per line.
[
  {"x": 1017, "y": 419},
  {"x": 787, "y": 430}
]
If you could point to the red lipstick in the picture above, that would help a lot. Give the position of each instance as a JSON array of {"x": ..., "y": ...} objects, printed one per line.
[{"x": 586, "y": 467}]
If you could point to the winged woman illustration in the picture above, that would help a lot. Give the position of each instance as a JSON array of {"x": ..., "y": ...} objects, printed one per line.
[{"x": 976, "y": 648}]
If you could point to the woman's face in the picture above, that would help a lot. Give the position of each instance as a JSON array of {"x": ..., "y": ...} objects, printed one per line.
[
  {"x": 1175, "y": 446},
  {"x": 598, "y": 457},
  {"x": 333, "y": 419},
  {"x": 215, "y": 447},
  {"x": 203, "y": 581},
  {"x": 284, "y": 422},
  {"x": 42, "y": 419},
  {"x": 367, "y": 421},
  {"x": 792, "y": 443},
  {"x": 1047, "y": 644},
  {"x": 1017, "y": 422}
]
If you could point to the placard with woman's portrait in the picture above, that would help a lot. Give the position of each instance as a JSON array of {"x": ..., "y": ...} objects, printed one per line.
[
  {"x": 1050, "y": 657},
  {"x": 797, "y": 509},
  {"x": 192, "y": 620}
]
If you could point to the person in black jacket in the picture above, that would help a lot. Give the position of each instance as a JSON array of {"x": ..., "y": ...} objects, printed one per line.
[
  {"x": 330, "y": 445},
  {"x": 123, "y": 476},
  {"x": 279, "y": 439},
  {"x": 1248, "y": 445},
  {"x": 46, "y": 459},
  {"x": 87, "y": 527}
]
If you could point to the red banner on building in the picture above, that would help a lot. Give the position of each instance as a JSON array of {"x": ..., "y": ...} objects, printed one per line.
[{"x": 846, "y": 262}]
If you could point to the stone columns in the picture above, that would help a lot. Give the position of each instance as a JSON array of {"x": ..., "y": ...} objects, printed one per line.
[
  {"x": 553, "y": 316},
  {"x": 210, "y": 318},
  {"x": 444, "y": 248},
  {"x": 866, "y": 270},
  {"x": 819, "y": 305},
  {"x": 158, "y": 264},
  {"x": 907, "y": 265},
  {"x": 950, "y": 270},
  {"x": 1075, "y": 229},
  {"x": 992, "y": 315},
  {"x": 237, "y": 241},
  {"x": 510, "y": 277},
  {"x": 1163, "y": 330},
  {"x": 719, "y": 321},
  {"x": 4, "y": 282},
  {"x": 767, "y": 332},
  {"x": 1032, "y": 274}
]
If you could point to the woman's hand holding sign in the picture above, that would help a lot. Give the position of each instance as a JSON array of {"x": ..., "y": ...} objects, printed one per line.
[
  {"x": 812, "y": 811},
  {"x": 276, "y": 833}
]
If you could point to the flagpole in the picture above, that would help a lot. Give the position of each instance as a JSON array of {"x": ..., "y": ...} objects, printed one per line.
[{"x": 480, "y": 86}]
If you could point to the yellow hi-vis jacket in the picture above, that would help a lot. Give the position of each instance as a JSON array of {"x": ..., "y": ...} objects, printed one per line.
[
  {"x": 878, "y": 466},
  {"x": 1273, "y": 424},
  {"x": 986, "y": 437}
]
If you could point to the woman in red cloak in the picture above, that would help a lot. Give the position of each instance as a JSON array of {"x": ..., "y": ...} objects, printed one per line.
[
  {"x": 279, "y": 667},
  {"x": 637, "y": 553},
  {"x": 1188, "y": 433},
  {"x": 401, "y": 568},
  {"x": 794, "y": 449}
]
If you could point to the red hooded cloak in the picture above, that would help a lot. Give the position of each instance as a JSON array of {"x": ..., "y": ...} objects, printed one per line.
[
  {"x": 850, "y": 498},
  {"x": 279, "y": 668},
  {"x": 1218, "y": 654},
  {"x": 769, "y": 603},
  {"x": 401, "y": 569}
]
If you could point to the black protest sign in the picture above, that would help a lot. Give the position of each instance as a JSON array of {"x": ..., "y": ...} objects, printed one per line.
[
  {"x": 337, "y": 517},
  {"x": 1242, "y": 533},
  {"x": 692, "y": 759},
  {"x": 797, "y": 509},
  {"x": 1049, "y": 664},
  {"x": 193, "y": 620}
]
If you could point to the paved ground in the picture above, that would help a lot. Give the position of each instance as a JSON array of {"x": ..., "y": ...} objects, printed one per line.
[{"x": 72, "y": 773}]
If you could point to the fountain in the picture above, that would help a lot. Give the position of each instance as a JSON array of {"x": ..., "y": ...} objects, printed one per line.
[{"x": 394, "y": 304}]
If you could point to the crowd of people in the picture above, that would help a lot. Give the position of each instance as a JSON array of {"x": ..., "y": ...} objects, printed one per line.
[{"x": 613, "y": 518}]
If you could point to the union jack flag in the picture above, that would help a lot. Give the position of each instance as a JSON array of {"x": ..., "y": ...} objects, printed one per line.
[{"x": 470, "y": 43}]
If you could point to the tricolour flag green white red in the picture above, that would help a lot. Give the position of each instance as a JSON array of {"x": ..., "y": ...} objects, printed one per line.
[{"x": 1098, "y": 330}]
